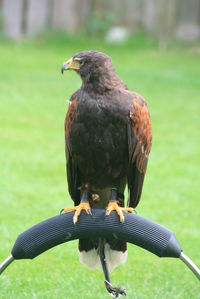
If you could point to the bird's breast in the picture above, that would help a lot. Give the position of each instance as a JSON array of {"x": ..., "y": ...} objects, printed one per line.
[{"x": 98, "y": 136}]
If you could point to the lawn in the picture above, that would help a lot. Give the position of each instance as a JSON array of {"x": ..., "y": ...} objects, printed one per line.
[{"x": 33, "y": 103}]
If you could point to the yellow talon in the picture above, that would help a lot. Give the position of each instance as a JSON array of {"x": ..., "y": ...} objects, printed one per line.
[
  {"x": 113, "y": 206},
  {"x": 78, "y": 209}
]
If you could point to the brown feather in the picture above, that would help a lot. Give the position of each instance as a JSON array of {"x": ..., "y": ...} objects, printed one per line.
[
  {"x": 73, "y": 175},
  {"x": 141, "y": 133}
]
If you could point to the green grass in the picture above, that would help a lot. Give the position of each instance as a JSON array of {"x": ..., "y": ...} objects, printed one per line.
[{"x": 33, "y": 103}]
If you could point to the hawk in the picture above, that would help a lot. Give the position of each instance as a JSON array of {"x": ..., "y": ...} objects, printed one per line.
[{"x": 108, "y": 137}]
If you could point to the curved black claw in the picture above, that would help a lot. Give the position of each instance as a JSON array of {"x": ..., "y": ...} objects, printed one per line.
[
  {"x": 61, "y": 211},
  {"x": 115, "y": 292}
]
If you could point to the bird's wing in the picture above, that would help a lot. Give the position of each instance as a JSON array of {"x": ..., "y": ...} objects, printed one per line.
[
  {"x": 139, "y": 144},
  {"x": 72, "y": 170}
]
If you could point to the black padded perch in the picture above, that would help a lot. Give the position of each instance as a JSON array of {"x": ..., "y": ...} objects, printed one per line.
[{"x": 60, "y": 229}]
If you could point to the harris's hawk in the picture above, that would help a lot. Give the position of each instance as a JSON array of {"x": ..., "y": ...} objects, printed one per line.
[{"x": 108, "y": 139}]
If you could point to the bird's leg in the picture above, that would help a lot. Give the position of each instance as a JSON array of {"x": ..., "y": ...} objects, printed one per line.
[
  {"x": 84, "y": 205},
  {"x": 113, "y": 206},
  {"x": 113, "y": 291}
]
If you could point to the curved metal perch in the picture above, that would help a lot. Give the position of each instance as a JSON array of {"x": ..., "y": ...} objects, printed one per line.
[{"x": 60, "y": 229}]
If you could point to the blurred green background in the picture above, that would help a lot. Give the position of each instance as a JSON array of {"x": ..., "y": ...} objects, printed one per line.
[{"x": 33, "y": 103}]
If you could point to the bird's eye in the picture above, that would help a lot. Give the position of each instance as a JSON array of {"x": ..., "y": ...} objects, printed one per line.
[{"x": 79, "y": 60}]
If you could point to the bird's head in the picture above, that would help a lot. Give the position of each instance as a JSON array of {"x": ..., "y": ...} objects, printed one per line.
[
  {"x": 95, "y": 68},
  {"x": 87, "y": 62}
]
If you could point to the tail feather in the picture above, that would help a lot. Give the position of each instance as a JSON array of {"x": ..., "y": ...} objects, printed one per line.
[{"x": 115, "y": 253}]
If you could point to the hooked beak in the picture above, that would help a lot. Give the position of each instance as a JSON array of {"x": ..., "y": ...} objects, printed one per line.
[
  {"x": 69, "y": 65},
  {"x": 64, "y": 67}
]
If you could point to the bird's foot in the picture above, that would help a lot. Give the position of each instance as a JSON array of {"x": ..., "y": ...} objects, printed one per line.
[
  {"x": 113, "y": 206},
  {"x": 83, "y": 206},
  {"x": 115, "y": 292}
]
